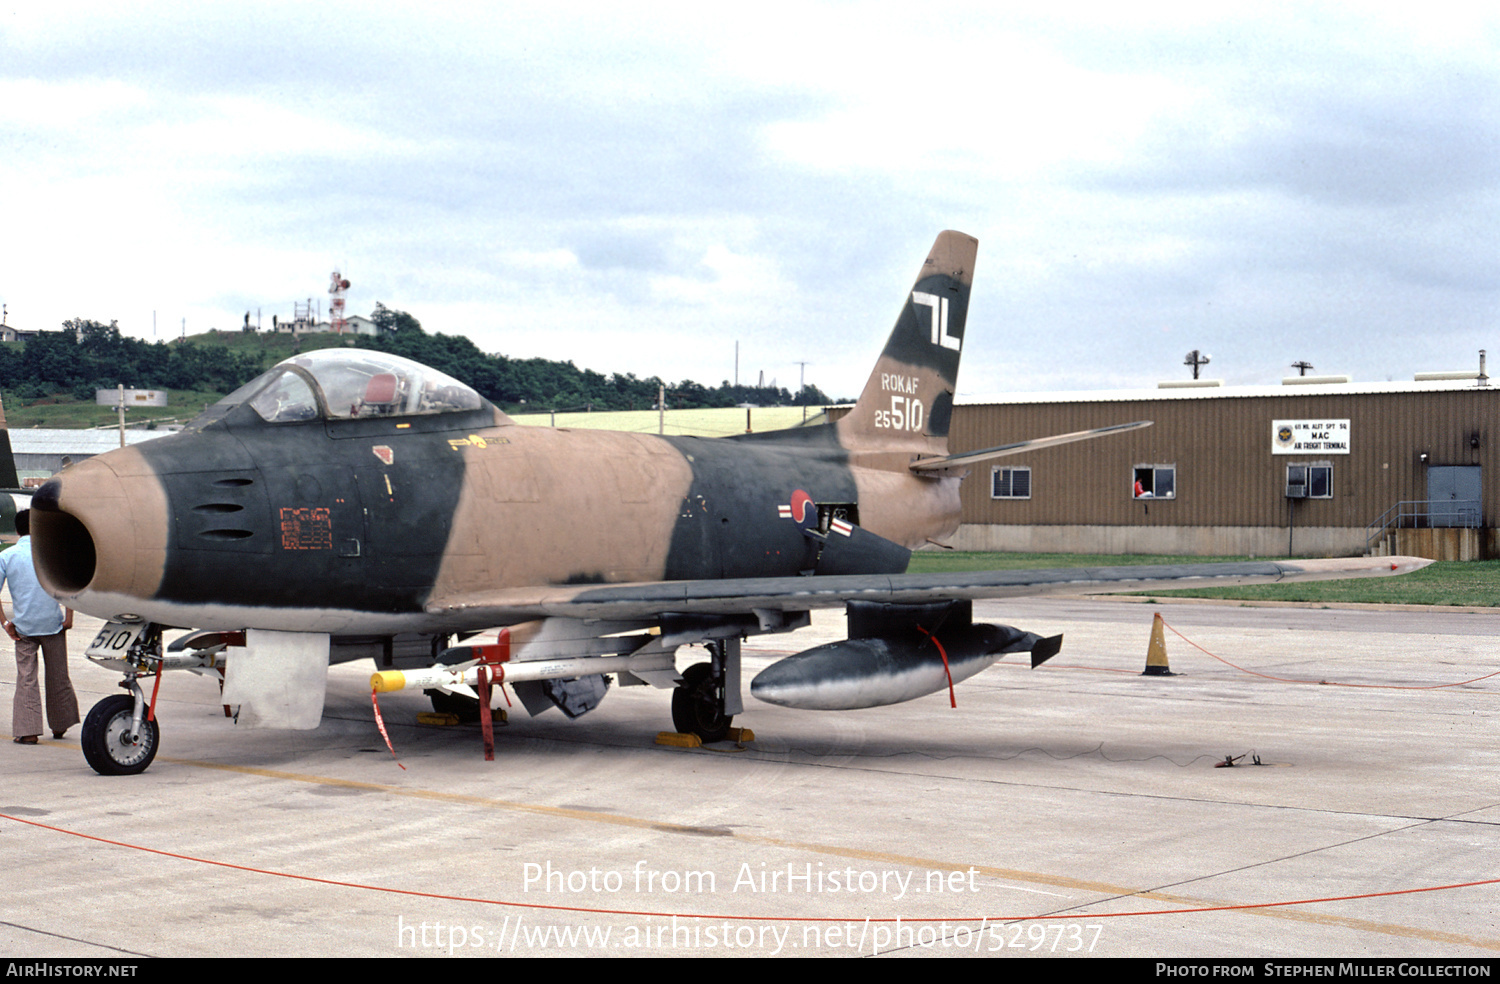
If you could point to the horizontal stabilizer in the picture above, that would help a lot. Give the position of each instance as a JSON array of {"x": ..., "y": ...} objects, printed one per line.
[{"x": 971, "y": 457}]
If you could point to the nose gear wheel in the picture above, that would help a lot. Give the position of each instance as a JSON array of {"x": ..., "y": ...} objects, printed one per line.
[{"x": 105, "y": 738}]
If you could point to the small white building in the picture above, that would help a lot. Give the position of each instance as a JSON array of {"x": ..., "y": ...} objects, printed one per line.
[
  {"x": 132, "y": 398},
  {"x": 353, "y": 325}
]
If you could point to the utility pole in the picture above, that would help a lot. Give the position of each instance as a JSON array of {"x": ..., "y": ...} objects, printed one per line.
[
  {"x": 801, "y": 387},
  {"x": 1302, "y": 366},
  {"x": 1196, "y": 360}
]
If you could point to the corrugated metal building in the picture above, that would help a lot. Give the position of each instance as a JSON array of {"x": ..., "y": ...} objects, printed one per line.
[
  {"x": 40, "y": 452},
  {"x": 1304, "y": 469}
]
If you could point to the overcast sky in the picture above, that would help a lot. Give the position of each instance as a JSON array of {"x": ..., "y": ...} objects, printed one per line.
[{"x": 638, "y": 187}]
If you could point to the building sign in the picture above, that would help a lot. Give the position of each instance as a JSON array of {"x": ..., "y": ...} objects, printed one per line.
[
  {"x": 1310, "y": 436},
  {"x": 132, "y": 398}
]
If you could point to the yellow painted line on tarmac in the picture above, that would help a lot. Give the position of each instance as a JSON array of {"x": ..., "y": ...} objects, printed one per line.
[{"x": 1119, "y": 893}]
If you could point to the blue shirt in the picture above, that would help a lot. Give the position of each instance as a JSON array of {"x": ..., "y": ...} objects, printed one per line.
[{"x": 35, "y": 613}]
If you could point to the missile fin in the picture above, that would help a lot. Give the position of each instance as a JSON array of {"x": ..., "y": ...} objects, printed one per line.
[{"x": 1044, "y": 650}]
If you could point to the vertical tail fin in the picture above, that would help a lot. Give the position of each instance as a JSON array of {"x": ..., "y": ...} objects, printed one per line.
[
  {"x": 908, "y": 401},
  {"x": 8, "y": 477},
  {"x": 10, "y": 502}
]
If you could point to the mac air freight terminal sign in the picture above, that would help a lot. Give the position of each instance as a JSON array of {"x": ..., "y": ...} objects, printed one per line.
[{"x": 1310, "y": 436}]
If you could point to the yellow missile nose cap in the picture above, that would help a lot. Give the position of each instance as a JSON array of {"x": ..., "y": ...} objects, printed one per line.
[{"x": 386, "y": 681}]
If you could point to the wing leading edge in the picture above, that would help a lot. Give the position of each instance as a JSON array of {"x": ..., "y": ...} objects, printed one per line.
[
  {"x": 951, "y": 461},
  {"x": 642, "y": 600}
]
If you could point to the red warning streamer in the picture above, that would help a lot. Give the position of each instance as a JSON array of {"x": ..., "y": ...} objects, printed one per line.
[
  {"x": 486, "y": 716},
  {"x": 952, "y": 701},
  {"x": 380, "y": 723}
]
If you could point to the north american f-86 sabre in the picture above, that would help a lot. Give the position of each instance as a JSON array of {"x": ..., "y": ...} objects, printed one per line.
[{"x": 351, "y": 504}]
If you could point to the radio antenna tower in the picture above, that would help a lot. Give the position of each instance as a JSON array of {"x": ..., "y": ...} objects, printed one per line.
[{"x": 337, "y": 287}]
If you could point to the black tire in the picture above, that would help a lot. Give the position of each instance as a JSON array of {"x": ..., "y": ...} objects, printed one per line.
[
  {"x": 695, "y": 705},
  {"x": 465, "y": 708},
  {"x": 103, "y": 729}
]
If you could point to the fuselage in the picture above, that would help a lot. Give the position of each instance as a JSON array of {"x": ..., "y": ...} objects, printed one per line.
[
  {"x": 353, "y": 492},
  {"x": 362, "y": 525}
]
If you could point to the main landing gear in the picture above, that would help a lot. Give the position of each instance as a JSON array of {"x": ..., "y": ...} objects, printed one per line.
[
  {"x": 466, "y": 709},
  {"x": 705, "y": 702}
]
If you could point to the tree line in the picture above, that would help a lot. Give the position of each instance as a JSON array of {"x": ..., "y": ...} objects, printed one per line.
[
  {"x": 90, "y": 355},
  {"x": 542, "y": 384}
]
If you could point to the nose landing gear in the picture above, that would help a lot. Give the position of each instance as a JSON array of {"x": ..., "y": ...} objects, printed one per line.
[
  {"x": 120, "y": 734},
  {"x": 116, "y": 740}
]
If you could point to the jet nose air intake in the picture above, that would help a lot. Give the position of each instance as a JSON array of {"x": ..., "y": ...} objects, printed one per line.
[
  {"x": 100, "y": 528},
  {"x": 62, "y": 549}
]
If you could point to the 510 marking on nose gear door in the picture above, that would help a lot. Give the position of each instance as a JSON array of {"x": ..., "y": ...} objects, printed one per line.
[{"x": 115, "y": 639}]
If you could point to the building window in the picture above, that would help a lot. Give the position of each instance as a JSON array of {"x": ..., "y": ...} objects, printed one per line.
[
  {"x": 1310, "y": 481},
  {"x": 1154, "y": 482},
  {"x": 1010, "y": 483}
]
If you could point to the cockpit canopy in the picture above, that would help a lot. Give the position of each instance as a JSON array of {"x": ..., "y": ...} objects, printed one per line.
[{"x": 350, "y": 384}]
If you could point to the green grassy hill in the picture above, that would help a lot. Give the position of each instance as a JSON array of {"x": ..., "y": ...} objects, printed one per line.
[
  {"x": 64, "y": 411},
  {"x": 271, "y": 346},
  {"x": 1467, "y": 583}
]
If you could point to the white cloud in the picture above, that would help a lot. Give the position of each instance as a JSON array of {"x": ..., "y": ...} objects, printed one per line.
[{"x": 637, "y": 187}]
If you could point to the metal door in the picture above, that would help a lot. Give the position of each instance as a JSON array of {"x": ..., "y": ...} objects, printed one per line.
[{"x": 1455, "y": 492}]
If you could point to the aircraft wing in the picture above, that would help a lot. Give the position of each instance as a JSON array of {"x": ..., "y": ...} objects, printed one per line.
[
  {"x": 950, "y": 461},
  {"x": 745, "y": 595}
]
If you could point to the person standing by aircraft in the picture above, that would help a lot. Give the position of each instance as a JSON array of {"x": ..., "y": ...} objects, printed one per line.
[{"x": 39, "y": 623}]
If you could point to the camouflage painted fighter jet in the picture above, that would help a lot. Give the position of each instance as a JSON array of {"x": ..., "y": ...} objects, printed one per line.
[{"x": 350, "y": 504}]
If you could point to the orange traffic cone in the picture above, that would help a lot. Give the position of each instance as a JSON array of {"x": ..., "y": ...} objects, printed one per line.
[{"x": 1156, "y": 652}]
